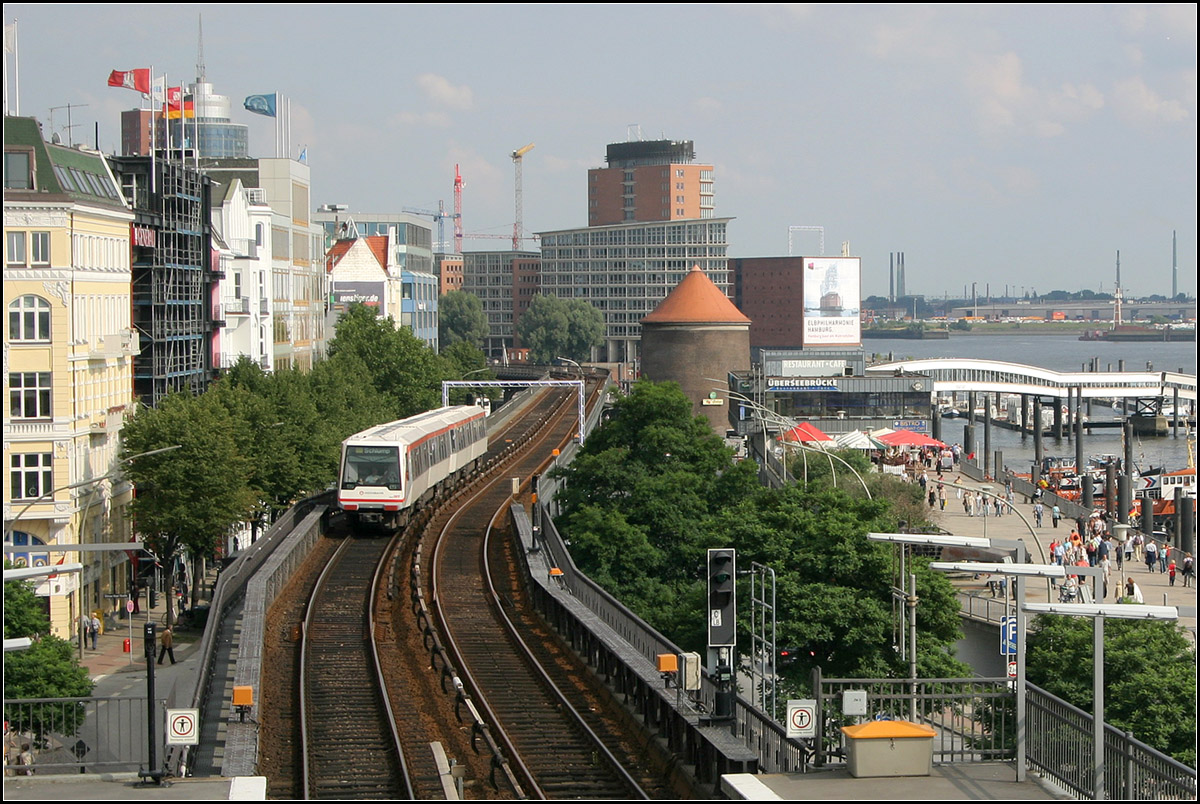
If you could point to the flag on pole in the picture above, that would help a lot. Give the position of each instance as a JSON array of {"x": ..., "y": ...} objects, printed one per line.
[
  {"x": 304, "y": 154},
  {"x": 178, "y": 104},
  {"x": 261, "y": 104},
  {"x": 10, "y": 38},
  {"x": 137, "y": 80},
  {"x": 158, "y": 91}
]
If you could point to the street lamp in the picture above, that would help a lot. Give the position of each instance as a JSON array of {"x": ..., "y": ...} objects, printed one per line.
[
  {"x": 1098, "y": 612},
  {"x": 572, "y": 362}
]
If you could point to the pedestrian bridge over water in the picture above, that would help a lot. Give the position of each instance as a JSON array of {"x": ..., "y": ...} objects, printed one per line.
[{"x": 988, "y": 376}]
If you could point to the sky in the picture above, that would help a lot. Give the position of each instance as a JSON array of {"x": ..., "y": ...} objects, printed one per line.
[{"x": 1014, "y": 147}]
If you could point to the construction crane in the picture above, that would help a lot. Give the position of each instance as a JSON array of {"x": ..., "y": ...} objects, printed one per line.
[
  {"x": 517, "y": 224},
  {"x": 439, "y": 217},
  {"x": 458, "y": 227}
]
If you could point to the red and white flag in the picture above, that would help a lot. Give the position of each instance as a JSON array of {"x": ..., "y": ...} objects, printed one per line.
[{"x": 137, "y": 80}]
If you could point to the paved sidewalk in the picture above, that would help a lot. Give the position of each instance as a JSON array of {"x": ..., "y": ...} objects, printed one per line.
[
  {"x": 111, "y": 656},
  {"x": 1155, "y": 586}
]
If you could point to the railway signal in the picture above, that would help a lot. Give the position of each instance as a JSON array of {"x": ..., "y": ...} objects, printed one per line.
[{"x": 722, "y": 600}]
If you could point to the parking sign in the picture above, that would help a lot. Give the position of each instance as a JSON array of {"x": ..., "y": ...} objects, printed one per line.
[{"x": 1008, "y": 636}]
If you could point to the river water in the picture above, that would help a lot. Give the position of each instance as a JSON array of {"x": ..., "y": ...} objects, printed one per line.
[{"x": 1057, "y": 353}]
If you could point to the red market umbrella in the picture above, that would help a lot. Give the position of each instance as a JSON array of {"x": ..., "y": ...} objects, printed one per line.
[
  {"x": 805, "y": 432},
  {"x": 908, "y": 438}
]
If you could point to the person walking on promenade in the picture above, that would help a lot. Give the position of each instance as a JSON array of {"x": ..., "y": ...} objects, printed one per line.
[
  {"x": 1171, "y": 573},
  {"x": 95, "y": 631},
  {"x": 1164, "y": 553},
  {"x": 1039, "y": 511},
  {"x": 1055, "y": 515},
  {"x": 168, "y": 645},
  {"x": 1151, "y": 555},
  {"x": 1134, "y": 591},
  {"x": 1187, "y": 570}
]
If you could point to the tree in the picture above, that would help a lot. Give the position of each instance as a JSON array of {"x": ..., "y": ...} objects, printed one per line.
[
  {"x": 463, "y": 359},
  {"x": 461, "y": 319},
  {"x": 1149, "y": 676},
  {"x": 398, "y": 364},
  {"x": 187, "y": 498},
  {"x": 552, "y": 327},
  {"x": 654, "y": 488},
  {"x": 49, "y": 668}
]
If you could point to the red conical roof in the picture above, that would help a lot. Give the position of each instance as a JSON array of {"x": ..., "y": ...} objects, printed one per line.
[{"x": 696, "y": 300}]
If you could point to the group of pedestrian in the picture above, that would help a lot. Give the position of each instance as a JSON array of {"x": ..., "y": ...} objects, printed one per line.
[{"x": 91, "y": 630}]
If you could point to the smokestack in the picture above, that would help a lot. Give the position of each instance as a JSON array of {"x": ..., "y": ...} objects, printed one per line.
[
  {"x": 891, "y": 277},
  {"x": 1174, "y": 267}
]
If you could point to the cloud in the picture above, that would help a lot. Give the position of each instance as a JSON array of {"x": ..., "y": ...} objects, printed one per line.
[
  {"x": 431, "y": 119},
  {"x": 1137, "y": 102},
  {"x": 1005, "y": 103},
  {"x": 439, "y": 90}
]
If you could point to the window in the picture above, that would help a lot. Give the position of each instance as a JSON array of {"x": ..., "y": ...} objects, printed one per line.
[
  {"x": 29, "y": 319},
  {"x": 31, "y": 475},
  {"x": 14, "y": 249},
  {"x": 29, "y": 394},
  {"x": 17, "y": 173},
  {"x": 40, "y": 242}
]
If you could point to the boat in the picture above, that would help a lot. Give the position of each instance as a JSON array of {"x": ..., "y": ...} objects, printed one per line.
[{"x": 1133, "y": 332}]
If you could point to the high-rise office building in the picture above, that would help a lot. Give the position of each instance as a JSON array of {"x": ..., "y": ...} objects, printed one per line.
[{"x": 655, "y": 180}]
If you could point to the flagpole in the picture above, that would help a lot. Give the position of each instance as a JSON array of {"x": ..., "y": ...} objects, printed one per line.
[
  {"x": 278, "y": 126},
  {"x": 153, "y": 135},
  {"x": 16, "y": 72}
]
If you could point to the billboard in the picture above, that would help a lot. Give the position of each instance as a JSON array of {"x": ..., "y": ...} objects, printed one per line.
[
  {"x": 831, "y": 301},
  {"x": 369, "y": 293}
]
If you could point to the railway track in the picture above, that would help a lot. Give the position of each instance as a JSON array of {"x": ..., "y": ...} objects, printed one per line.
[
  {"x": 351, "y": 749},
  {"x": 553, "y": 750}
]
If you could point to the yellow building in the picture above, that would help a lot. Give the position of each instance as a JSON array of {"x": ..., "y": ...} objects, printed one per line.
[{"x": 68, "y": 356}]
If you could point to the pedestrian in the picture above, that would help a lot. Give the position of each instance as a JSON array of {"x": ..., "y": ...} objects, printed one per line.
[
  {"x": 1138, "y": 541},
  {"x": 941, "y": 492},
  {"x": 1171, "y": 573},
  {"x": 1164, "y": 553},
  {"x": 25, "y": 761},
  {"x": 967, "y": 504},
  {"x": 1060, "y": 554},
  {"x": 1151, "y": 555},
  {"x": 1128, "y": 549},
  {"x": 1038, "y": 511},
  {"x": 168, "y": 643},
  {"x": 95, "y": 630},
  {"x": 1055, "y": 515},
  {"x": 932, "y": 498},
  {"x": 1187, "y": 570}
]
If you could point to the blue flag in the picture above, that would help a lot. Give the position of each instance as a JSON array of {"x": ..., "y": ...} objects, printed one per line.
[{"x": 261, "y": 104}]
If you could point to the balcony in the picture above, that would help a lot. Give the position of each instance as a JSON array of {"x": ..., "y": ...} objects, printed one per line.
[
  {"x": 238, "y": 306},
  {"x": 264, "y": 306}
]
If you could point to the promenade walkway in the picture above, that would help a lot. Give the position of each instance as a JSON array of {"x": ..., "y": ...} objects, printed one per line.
[{"x": 1155, "y": 586}]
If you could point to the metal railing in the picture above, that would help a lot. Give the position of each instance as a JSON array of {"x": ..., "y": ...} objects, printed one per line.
[
  {"x": 975, "y": 718},
  {"x": 83, "y": 735},
  {"x": 1060, "y": 745}
]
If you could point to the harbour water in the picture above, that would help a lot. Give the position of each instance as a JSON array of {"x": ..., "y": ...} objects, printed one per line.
[{"x": 1058, "y": 353}]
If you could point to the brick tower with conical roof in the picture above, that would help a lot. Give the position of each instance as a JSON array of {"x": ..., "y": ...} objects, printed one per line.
[{"x": 695, "y": 337}]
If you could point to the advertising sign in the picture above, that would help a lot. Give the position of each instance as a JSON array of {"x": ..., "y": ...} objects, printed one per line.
[
  {"x": 831, "y": 301},
  {"x": 368, "y": 293}
]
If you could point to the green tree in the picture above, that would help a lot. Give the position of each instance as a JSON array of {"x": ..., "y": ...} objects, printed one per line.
[
  {"x": 48, "y": 668},
  {"x": 188, "y": 498},
  {"x": 654, "y": 488},
  {"x": 465, "y": 361},
  {"x": 461, "y": 319},
  {"x": 552, "y": 327},
  {"x": 1149, "y": 676},
  {"x": 398, "y": 364}
]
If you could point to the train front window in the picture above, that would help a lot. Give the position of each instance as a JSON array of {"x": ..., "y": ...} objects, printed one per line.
[{"x": 371, "y": 466}]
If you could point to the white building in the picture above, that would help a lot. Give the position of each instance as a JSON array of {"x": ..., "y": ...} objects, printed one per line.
[{"x": 241, "y": 234}]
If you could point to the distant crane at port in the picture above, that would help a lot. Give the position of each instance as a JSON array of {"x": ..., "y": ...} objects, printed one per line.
[{"x": 517, "y": 158}]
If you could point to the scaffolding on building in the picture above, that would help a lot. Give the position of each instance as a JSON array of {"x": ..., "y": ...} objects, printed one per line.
[{"x": 172, "y": 282}]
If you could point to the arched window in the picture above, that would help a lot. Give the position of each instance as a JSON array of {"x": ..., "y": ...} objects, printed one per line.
[{"x": 29, "y": 319}]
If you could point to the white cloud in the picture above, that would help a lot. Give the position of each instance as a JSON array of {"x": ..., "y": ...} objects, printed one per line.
[
  {"x": 1137, "y": 102},
  {"x": 439, "y": 90},
  {"x": 431, "y": 119},
  {"x": 1005, "y": 103}
]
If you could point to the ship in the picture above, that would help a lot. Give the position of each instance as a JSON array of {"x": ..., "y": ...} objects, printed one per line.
[{"x": 1133, "y": 333}]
